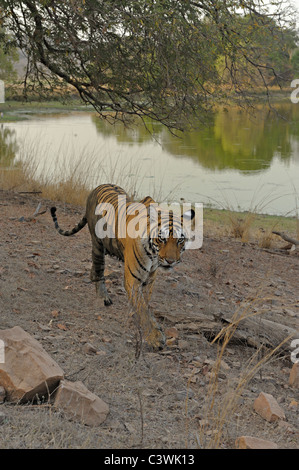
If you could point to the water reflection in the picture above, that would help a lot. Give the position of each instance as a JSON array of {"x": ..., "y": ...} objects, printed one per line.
[
  {"x": 137, "y": 133},
  {"x": 8, "y": 146},
  {"x": 233, "y": 139},
  {"x": 239, "y": 158}
]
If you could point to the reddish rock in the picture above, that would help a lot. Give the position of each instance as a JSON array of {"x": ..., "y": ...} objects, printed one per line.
[
  {"x": 267, "y": 407},
  {"x": 171, "y": 332},
  {"x": 2, "y": 394},
  {"x": 28, "y": 371},
  {"x": 248, "y": 442},
  {"x": 80, "y": 404}
]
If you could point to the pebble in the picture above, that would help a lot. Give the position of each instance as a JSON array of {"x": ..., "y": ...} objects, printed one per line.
[
  {"x": 289, "y": 312},
  {"x": 183, "y": 394},
  {"x": 88, "y": 348}
]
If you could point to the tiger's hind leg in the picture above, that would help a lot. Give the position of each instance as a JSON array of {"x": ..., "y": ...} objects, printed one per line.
[{"x": 97, "y": 271}]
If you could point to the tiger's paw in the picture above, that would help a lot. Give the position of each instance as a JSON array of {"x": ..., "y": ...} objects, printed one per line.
[
  {"x": 101, "y": 292},
  {"x": 156, "y": 339},
  {"x": 107, "y": 301}
]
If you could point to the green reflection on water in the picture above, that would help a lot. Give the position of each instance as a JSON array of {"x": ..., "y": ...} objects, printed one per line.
[
  {"x": 233, "y": 139},
  {"x": 8, "y": 146}
]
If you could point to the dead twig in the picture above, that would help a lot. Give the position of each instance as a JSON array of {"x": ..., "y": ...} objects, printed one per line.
[{"x": 36, "y": 214}]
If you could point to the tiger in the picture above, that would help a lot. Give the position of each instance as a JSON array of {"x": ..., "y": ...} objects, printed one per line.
[{"x": 160, "y": 242}]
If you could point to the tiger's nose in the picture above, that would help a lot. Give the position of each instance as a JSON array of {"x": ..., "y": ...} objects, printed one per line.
[{"x": 169, "y": 261}]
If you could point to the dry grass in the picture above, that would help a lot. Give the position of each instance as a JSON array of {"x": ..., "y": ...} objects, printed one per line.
[
  {"x": 266, "y": 239},
  {"x": 77, "y": 176},
  {"x": 247, "y": 226},
  {"x": 241, "y": 226},
  {"x": 220, "y": 408}
]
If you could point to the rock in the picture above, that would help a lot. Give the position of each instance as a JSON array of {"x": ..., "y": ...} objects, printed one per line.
[
  {"x": 289, "y": 312},
  {"x": 80, "y": 404},
  {"x": 88, "y": 348},
  {"x": 183, "y": 394},
  {"x": 286, "y": 427},
  {"x": 171, "y": 341},
  {"x": 2, "y": 394},
  {"x": 28, "y": 372},
  {"x": 294, "y": 376},
  {"x": 248, "y": 442},
  {"x": 215, "y": 364},
  {"x": 293, "y": 404},
  {"x": 130, "y": 428},
  {"x": 171, "y": 332},
  {"x": 268, "y": 408}
]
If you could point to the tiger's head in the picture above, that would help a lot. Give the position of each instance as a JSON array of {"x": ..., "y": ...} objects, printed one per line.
[{"x": 169, "y": 237}]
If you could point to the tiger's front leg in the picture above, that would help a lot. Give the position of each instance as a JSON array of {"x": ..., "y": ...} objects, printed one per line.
[
  {"x": 139, "y": 298},
  {"x": 97, "y": 271}
]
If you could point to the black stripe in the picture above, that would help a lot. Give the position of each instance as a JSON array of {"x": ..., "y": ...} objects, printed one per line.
[
  {"x": 149, "y": 254},
  {"x": 136, "y": 277},
  {"x": 138, "y": 261}
]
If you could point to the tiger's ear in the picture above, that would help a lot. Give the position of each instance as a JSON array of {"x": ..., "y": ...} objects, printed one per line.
[{"x": 188, "y": 215}]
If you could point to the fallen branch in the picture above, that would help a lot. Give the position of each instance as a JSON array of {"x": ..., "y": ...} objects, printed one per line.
[
  {"x": 248, "y": 328},
  {"x": 287, "y": 238},
  {"x": 36, "y": 214},
  {"x": 30, "y": 192}
]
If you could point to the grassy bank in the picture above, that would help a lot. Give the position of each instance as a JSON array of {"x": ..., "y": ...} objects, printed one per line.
[
  {"x": 249, "y": 226},
  {"x": 17, "y": 110},
  {"x": 245, "y": 226}
]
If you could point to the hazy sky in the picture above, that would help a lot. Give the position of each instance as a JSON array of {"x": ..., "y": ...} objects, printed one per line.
[{"x": 296, "y": 3}]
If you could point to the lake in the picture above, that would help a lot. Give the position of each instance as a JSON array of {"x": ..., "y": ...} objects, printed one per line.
[{"x": 239, "y": 161}]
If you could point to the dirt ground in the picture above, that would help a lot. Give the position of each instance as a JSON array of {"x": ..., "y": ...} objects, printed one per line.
[{"x": 164, "y": 399}]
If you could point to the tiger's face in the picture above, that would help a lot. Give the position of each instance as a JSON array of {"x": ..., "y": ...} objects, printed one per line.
[
  {"x": 169, "y": 248},
  {"x": 170, "y": 241}
]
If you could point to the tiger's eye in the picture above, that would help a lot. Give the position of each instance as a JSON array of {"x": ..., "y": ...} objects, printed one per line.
[{"x": 161, "y": 238}]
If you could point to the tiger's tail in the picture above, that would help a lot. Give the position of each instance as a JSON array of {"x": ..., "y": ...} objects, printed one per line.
[{"x": 67, "y": 233}]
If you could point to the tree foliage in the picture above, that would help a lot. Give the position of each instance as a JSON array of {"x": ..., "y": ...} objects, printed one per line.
[
  {"x": 166, "y": 59},
  {"x": 8, "y": 56}
]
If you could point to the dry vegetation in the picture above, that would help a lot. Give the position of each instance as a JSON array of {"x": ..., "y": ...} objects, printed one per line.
[{"x": 198, "y": 392}]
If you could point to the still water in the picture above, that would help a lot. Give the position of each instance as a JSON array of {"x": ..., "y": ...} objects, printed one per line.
[{"x": 241, "y": 161}]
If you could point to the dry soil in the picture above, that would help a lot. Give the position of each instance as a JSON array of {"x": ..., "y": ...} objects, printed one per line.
[{"x": 163, "y": 399}]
